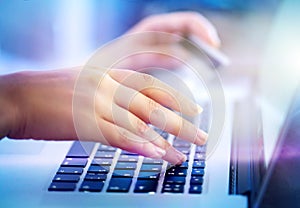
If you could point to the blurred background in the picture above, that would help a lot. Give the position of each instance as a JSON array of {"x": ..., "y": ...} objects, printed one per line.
[{"x": 40, "y": 35}]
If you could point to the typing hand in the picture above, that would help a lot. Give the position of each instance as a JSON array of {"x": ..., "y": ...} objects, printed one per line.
[
  {"x": 47, "y": 105},
  {"x": 44, "y": 105}
]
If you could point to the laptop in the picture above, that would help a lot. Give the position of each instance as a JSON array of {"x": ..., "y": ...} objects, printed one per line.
[{"x": 253, "y": 163}]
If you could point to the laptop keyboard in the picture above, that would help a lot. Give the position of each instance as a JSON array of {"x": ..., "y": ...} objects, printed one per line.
[
  {"x": 109, "y": 169},
  {"x": 94, "y": 167}
]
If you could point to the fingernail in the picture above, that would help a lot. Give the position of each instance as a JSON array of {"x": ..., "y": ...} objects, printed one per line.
[
  {"x": 201, "y": 137},
  {"x": 180, "y": 157},
  {"x": 159, "y": 152},
  {"x": 174, "y": 156},
  {"x": 196, "y": 108},
  {"x": 183, "y": 158},
  {"x": 215, "y": 38},
  {"x": 199, "y": 108}
]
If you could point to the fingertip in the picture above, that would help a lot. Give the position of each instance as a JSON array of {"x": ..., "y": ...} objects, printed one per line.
[
  {"x": 201, "y": 137},
  {"x": 174, "y": 156},
  {"x": 213, "y": 35},
  {"x": 184, "y": 158},
  {"x": 205, "y": 30},
  {"x": 199, "y": 109},
  {"x": 194, "y": 109},
  {"x": 215, "y": 39},
  {"x": 152, "y": 151}
]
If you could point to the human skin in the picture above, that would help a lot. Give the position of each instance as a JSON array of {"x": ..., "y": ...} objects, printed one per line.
[{"x": 39, "y": 105}]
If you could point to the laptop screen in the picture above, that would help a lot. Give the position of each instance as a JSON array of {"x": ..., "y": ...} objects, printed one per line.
[{"x": 280, "y": 74}]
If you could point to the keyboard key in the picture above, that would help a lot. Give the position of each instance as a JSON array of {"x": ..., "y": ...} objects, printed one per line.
[
  {"x": 66, "y": 178},
  {"x": 177, "y": 145},
  {"x": 196, "y": 180},
  {"x": 148, "y": 175},
  {"x": 75, "y": 162},
  {"x": 106, "y": 148},
  {"x": 199, "y": 156},
  {"x": 95, "y": 177},
  {"x": 176, "y": 172},
  {"x": 98, "y": 169},
  {"x": 62, "y": 186},
  {"x": 128, "y": 158},
  {"x": 174, "y": 180},
  {"x": 119, "y": 185},
  {"x": 101, "y": 154},
  {"x": 162, "y": 133},
  {"x": 102, "y": 161},
  {"x": 184, "y": 165},
  {"x": 150, "y": 168},
  {"x": 91, "y": 186},
  {"x": 70, "y": 170},
  {"x": 148, "y": 160},
  {"x": 199, "y": 164},
  {"x": 197, "y": 172},
  {"x": 81, "y": 149},
  {"x": 195, "y": 189},
  {"x": 123, "y": 173},
  {"x": 127, "y": 153},
  {"x": 125, "y": 166},
  {"x": 173, "y": 188},
  {"x": 158, "y": 130},
  {"x": 200, "y": 149},
  {"x": 145, "y": 186},
  {"x": 184, "y": 150},
  {"x": 181, "y": 143}
]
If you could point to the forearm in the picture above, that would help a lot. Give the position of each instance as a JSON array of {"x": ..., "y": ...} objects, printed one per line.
[
  {"x": 37, "y": 105},
  {"x": 8, "y": 108}
]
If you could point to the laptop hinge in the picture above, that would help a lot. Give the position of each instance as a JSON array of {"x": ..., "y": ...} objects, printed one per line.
[{"x": 243, "y": 165}]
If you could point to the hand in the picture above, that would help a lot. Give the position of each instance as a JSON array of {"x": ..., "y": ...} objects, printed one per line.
[
  {"x": 40, "y": 107},
  {"x": 180, "y": 24}
]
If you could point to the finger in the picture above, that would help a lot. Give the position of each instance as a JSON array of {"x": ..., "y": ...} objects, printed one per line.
[
  {"x": 146, "y": 60},
  {"x": 202, "y": 28},
  {"x": 156, "y": 90},
  {"x": 133, "y": 124},
  {"x": 150, "y": 111},
  {"x": 172, "y": 155},
  {"x": 182, "y": 23},
  {"x": 125, "y": 119},
  {"x": 124, "y": 139}
]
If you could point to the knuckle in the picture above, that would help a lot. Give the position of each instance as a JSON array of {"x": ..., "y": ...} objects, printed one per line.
[
  {"x": 148, "y": 79},
  {"x": 179, "y": 128},
  {"x": 166, "y": 145},
  {"x": 152, "y": 105},
  {"x": 141, "y": 127},
  {"x": 186, "y": 129},
  {"x": 179, "y": 125}
]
